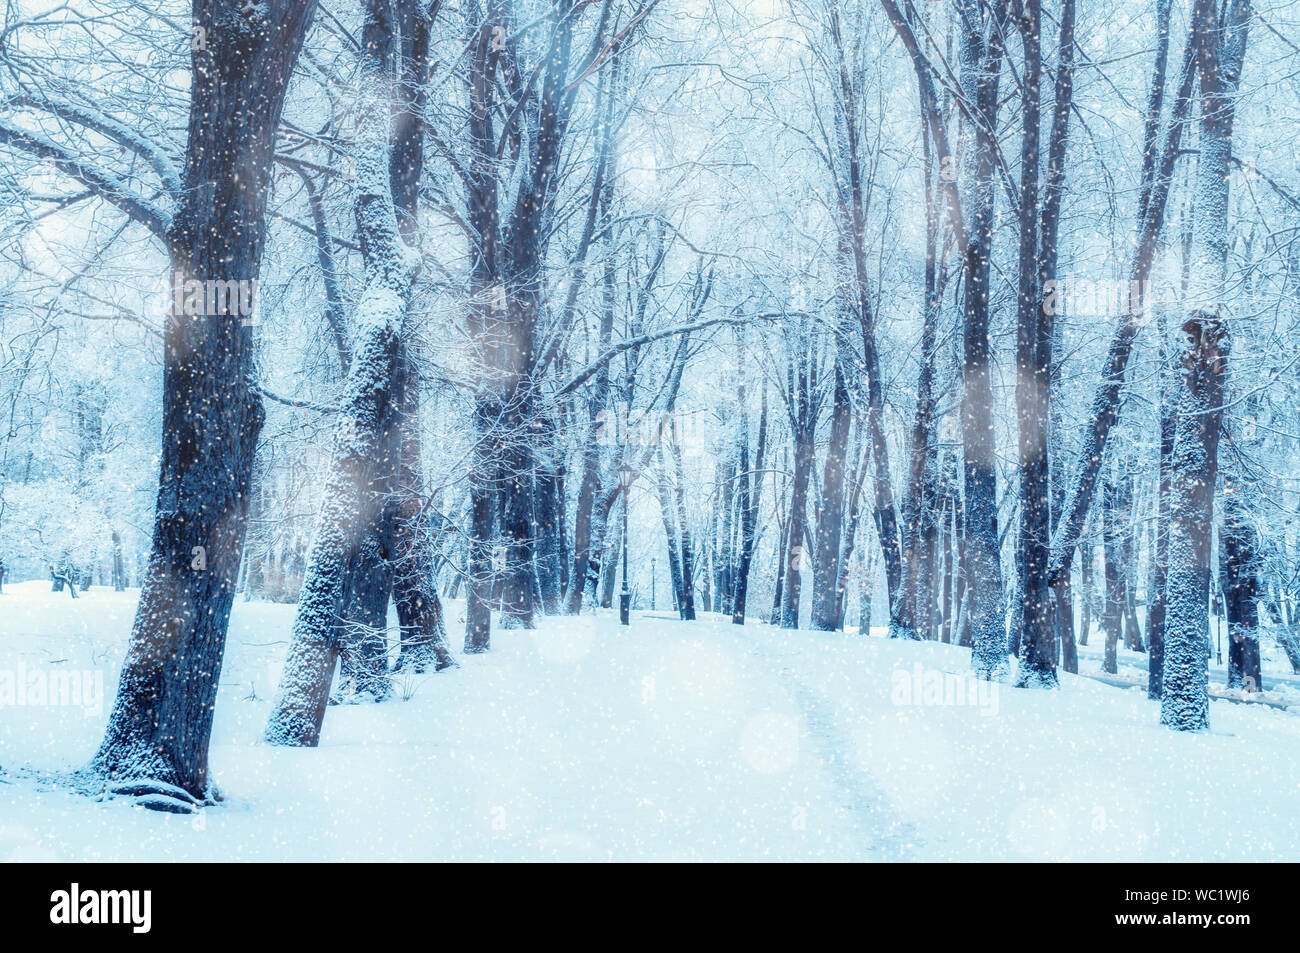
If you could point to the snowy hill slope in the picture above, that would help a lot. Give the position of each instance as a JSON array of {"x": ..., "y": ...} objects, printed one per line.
[{"x": 664, "y": 741}]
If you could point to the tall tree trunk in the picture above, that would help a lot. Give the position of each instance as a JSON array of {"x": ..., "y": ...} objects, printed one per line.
[
  {"x": 668, "y": 512},
  {"x": 866, "y": 583},
  {"x": 751, "y": 486},
  {"x": 544, "y": 122},
  {"x": 850, "y": 536},
  {"x": 1049, "y": 247},
  {"x": 486, "y": 320},
  {"x": 803, "y": 457},
  {"x": 548, "y": 507},
  {"x": 1185, "y": 702},
  {"x": 423, "y": 634},
  {"x": 1239, "y": 575},
  {"x": 1220, "y": 50},
  {"x": 367, "y": 405},
  {"x": 919, "y": 495},
  {"x": 853, "y": 202},
  {"x": 782, "y": 559},
  {"x": 1160, "y": 553},
  {"x": 419, "y": 610},
  {"x": 1037, "y": 653},
  {"x": 982, "y": 562},
  {"x": 830, "y": 514},
  {"x": 1112, "y": 619},
  {"x": 156, "y": 742},
  {"x": 683, "y": 525},
  {"x": 1086, "y": 595},
  {"x": 1106, "y": 401}
]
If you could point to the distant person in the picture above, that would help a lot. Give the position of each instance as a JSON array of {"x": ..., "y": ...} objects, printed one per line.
[{"x": 2, "y": 577}]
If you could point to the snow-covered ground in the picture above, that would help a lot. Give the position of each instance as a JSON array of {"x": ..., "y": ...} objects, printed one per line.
[{"x": 663, "y": 741}]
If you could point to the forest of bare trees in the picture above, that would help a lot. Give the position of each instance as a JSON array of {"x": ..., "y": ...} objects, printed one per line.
[{"x": 969, "y": 321}]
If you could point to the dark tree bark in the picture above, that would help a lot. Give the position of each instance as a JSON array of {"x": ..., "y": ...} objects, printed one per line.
[
  {"x": 851, "y": 526},
  {"x": 486, "y": 322},
  {"x": 361, "y": 632},
  {"x": 803, "y": 423},
  {"x": 1112, "y": 619},
  {"x": 541, "y": 119},
  {"x": 1062, "y": 601},
  {"x": 1128, "y": 572},
  {"x": 782, "y": 558},
  {"x": 856, "y": 295},
  {"x": 419, "y": 610},
  {"x": 918, "y": 522},
  {"x": 547, "y": 507},
  {"x": 1239, "y": 559},
  {"x": 982, "y": 69},
  {"x": 1037, "y": 653},
  {"x": 684, "y": 534},
  {"x": 1086, "y": 596},
  {"x": 423, "y": 634},
  {"x": 830, "y": 513},
  {"x": 156, "y": 742}
]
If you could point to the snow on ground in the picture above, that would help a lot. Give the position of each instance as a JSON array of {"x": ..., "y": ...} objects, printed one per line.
[
  {"x": 1281, "y": 686},
  {"x": 663, "y": 741}
]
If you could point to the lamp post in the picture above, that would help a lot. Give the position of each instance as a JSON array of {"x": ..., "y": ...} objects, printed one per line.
[
  {"x": 625, "y": 476},
  {"x": 1216, "y": 607}
]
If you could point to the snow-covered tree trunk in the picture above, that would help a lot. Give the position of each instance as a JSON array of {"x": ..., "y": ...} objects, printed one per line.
[
  {"x": 1220, "y": 49},
  {"x": 668, "y": 514},
  {"x": 156, "y": 743},
  {"x": 1185, "y": 701},
  {"x": 918, "y": 524},
  {"x": 866, "y": 584},
  {"x": 1160, "y": 552},
  {"x": 751, "y": 496},
  {"x": 851, "y": 526},
  {"x": 367, "y": 402},
  {"x": 423, "y": 633}
]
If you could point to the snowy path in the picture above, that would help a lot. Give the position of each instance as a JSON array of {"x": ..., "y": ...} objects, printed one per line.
[
  {"x": 583, "y": 740},
  {"x": 661, "y": 741},
  {"x": 882, "y": 834}
]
